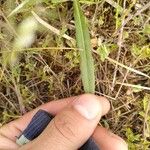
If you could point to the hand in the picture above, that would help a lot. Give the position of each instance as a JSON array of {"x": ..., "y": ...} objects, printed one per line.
[{"x": 76, "y": 120}]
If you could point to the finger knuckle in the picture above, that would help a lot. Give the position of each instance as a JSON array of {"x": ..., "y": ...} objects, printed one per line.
[{"x": 64, "y": 124}]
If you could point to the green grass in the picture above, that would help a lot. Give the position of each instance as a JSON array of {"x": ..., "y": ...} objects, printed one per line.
[
  {"x": 40, "y": 61},
  {"x": 85, "y": 48}
]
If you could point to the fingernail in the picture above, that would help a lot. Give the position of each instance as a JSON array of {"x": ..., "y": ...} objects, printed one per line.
[{"x": 88, "y": 106}]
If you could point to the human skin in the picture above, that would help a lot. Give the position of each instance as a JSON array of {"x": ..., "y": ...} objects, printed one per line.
[{"x": 76, "y": 119}]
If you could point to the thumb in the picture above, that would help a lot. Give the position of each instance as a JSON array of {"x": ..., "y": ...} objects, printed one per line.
[{"x": 72, "y": 127}]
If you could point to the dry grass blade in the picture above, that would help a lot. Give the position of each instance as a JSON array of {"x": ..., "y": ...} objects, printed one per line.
[
  {"x": 18, "y": 7},
  {"x": 53, "y": 29},
  {"x": 134, "y": 86},
  {"x": 8, "y": 23},
  {"x": 137, "y": 13},
  {"x": 83, "y": 43},
  {"x": 128, "y": 68}
]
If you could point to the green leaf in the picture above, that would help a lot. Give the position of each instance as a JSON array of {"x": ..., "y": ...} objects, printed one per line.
[
  {"x": 141, "y": 51},
  {"x": 103, "y": 51},
  {"x": 58, "y": 1},
  {"x": 145, "y": 102},
  {"x": 146, "y": 29},
  {"x": 84, "y": 45},
  {"x": 137, "y": 89}
]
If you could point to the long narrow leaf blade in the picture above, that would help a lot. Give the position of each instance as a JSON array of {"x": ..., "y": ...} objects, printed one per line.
[{"x": 84, "y": 44}]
